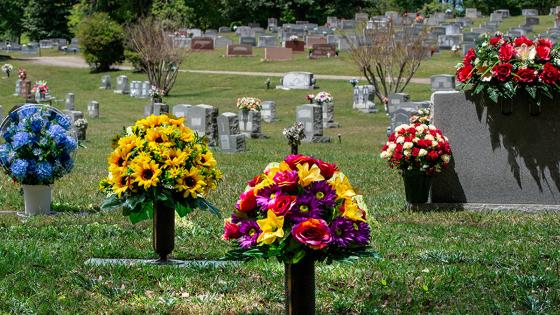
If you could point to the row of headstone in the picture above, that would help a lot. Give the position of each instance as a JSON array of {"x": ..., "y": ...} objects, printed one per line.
[
  {"x": 364, "y": 98},
  {"x": 122, "y": 85},
  {"x": 140, "y": 89},
  {"x": 400, "y": 109},
  {"x": 92, "y": 107}
]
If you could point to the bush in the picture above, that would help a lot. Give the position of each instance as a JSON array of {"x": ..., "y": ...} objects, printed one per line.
[
  {"x": 102, "y": 41},
  {"x": 135, "y": 60}
]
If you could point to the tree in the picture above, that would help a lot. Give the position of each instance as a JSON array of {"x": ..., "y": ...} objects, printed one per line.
[
  {"x": 173, "y": 13},
  {"x": 159, "y": 58},
  {"x": 389, "y": 55},
  {"x": 10, "y": 19},
  {"x": 102, "y": 41},
  {"x": 47, "y": 18}
]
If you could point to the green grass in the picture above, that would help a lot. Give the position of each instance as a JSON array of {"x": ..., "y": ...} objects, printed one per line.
[{"x": 435, "y": 262}]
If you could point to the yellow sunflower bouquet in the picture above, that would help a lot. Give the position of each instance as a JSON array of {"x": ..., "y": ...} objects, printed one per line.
[{"x": 159, "y": 160}]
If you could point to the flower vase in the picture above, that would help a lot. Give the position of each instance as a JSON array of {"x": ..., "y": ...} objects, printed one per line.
[
  {"x": 37, "y": 199},
  {"x": 81, "y": 134},
  {"x": 506, "y": 106},
  {"x": 163, "y": 236},
  {"x": 300, "y": 287},
  {"x": 244, "y": 120},
  {"x": 156, "y": 99},
  {"x": 535, "y": 105},
  {"x": 417, "y": 187}
]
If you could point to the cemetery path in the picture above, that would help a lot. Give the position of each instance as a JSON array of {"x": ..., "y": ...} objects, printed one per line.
[{"x": 79, "y": 62}]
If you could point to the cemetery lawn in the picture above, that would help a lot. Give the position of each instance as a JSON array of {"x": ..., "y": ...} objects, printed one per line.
[{"x": 434, "y": 262}]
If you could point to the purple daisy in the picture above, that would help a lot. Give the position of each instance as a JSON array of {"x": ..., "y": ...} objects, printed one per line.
[
  {"x": 266, "y": 196},
  {"x": 323, "y": 192},
  {"x": 342, "y": 231},
  {"x": 306, "y": 207},
  {"x": 250, "y": 231},
  {"x": 361, "y": 233}
]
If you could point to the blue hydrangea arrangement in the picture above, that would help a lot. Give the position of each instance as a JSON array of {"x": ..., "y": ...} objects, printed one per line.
[{"x": 38, "y": 145}]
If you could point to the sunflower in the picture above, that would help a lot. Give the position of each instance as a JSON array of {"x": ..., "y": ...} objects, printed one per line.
[
  {"x": 175, "y": 157},
  {"x": 187, "y": 134},
  {"x": 177, "y": 121},
  {"x": 157, "y": 135},
  {"x": 130, "y": 142},
  {"x": 119, "y": 157},
  {"x": 121, "y": 183},
  {"x": 191, "y": 183},
  {"x": 146, "y": 173},
  {"x": 206, "y": 159},
  {"x": 152, "y": 121}
]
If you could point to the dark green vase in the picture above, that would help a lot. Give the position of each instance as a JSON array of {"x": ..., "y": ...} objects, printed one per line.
[{"x": 417, "y": 187}]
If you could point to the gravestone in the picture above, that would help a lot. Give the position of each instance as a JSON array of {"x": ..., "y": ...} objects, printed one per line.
[
  {"x": 297, "y": 46},
  {"x": 495, "y": 163},
  {"x": 122, "y": 85},
  {"x": 181, "y": 110},
  {"x": 105, "y": 82},
  {"x": 135, "y": 88},
  {"x": 495, "y": 17},
  {"x": 529, "y": 12},
  {"x": 401, "y": 116},
  {"x": 277, "y": 54},
  {"x": 452, "y": 29},
  {"x": 467, "y": 45},
  {"x": 323, "y": 50},
  {"x": 504, "y": 12},
  {"x": 93, "y": 109},
  {"x": 160, "y": 109},
  {"x": 267, "y": 41},
  {"x": 437, "y": 30},
  {"x": 210, "y": 32},
  {"x": 442, "y": 82},
  {"x": 268, "y": 111},
  {"x": 532, "y": 20},
  {"x": 231, "y": 140},
  {"x": 148, "y": 109},
  {"x": 69, "y": 101},
  {"x": 297, "y": 80},
  {"x": 312, "y": 40},
  {"x": 203, "y": 120},
  {"x": 395, "y": 99},
  {"x": 311, "y": 116},
  {"x": 332, "y": 21},
  {"x": 328, "y": 115},
  {"x": 244, "y": 31},
  {"x": 73, "y": 115},
  {"x": 449, "y": 41},
  {"x": 25, "y": 90},
  {"x": 145, "y": 89},
  {"x": 470, "y": 36},
  {"x": 248, "y": 40},
  {"x": 202, "y": 43},
  {"x": 272, "y": 22},
  {"x": 471, "y": 13},
  {"x": 221, "y": 42},
  {"x": 17, "y": 91},
  {"x": 195, "y": 32},
  {"x": 361, "y": 17},
  {"x": 250, "y": 124},
  {"x": 224, "y": 29},
  {"x": 239, "y": 50},
  {"x": 364, "y": 98},
  {"x": 347, "y": 24}
]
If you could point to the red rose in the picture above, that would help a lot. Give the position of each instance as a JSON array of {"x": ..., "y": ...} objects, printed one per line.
[
  {"x": 415, "y": 151},
  {"x": 231, "y": 231},
  {"x": 525, "y": 75},
  {"x": 294, "y": 160},
  {"x": 314, "y": 233},
  {"x": 247, "y": 201},
  {"x": 464, "y": 73},
  {"x": 469, "y": 57},
  {"x": 545, "y": 42},
  {"x": 433, "y": 155},
  {"x": 502, "y": 71},
  {"x": 255, "y": 181},
  {"x": 550, "y": 74},
  {"x": 543, "y": 52},
  {"x": 283, "y": 204},
  {"x": 522, "y": 40},
  {"x": 495, "y": 40},
  {"x": 327, "y": 169},
  {"x": 506, "y": 52}
]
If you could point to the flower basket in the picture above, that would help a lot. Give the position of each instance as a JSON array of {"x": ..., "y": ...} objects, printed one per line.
[
  {"x": 36, "y": 148},
  {"x": 159, "y": 167},
  {"x": 300, "y": 211},
  {"x": 502, "y": 68},
  {"x": 418, "y": 151}
]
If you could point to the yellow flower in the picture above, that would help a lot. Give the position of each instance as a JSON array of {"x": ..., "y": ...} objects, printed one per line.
[
  {"x": 152, "y": 121},
  {"x": 352, "y": 211},
  {"x": 340, "y": 183},
  {"x": 271, "y": 228},
  {"x": 265, "y": 182},
  {"x": 175, "y": 172},
  {"x": 146, "y": 173},
  {"x": 118, "y": 158},
  {"x": 157, "y": 135},
  {"x": 175, "y": 157},
  {"x": 190, "y": 183},
  {"x": 187, "y": 134},
  {"x": 308, "y": 175},
  {"x": 274, "y": 168},
  {"x": 206, "y": 159},
  {"x": 130, "y": 142},
  {"x": 177, "y": 121},
  {"x": 121, "y": 183}
]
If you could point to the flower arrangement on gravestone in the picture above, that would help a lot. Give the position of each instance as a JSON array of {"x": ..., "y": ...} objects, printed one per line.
[
  {"x": 81, "y": 125},
  {"x": 159, "y": 167},
  {"x": 41, "y": 90},
  {"x": 37, "y": 150},
  {"x": 418, "y": 151},
  {"x": 322, "y": 98},
  {"x": 249, "y": 103},
  {"x": 326, "y": 101},
  {"x": 293, "y": 38},
  {"x": 250, "y": 115},
  {"x": 294, "y": 134},
  {"x": 353, "y": 82},
  {"x": 502, "y": 67},
  {"x": 422, "y": 116},
  {"x": 22, "y": 74},
  {"x": 7, "y": 69},
  {"x": 299, "y": 211},
  {"x": 155, "y": 94}
]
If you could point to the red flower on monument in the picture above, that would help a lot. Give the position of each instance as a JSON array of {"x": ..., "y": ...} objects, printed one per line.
[{"x": 502, "y": 71}]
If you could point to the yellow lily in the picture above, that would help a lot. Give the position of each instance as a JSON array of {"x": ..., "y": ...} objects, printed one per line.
[
  {"x": 271, "y": 228},
  {"x": 309, "y": 175}
]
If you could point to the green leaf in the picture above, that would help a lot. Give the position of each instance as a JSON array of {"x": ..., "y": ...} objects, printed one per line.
[
  {"x": 532, "y": 91},
  {"x": 182, "y": 209},
  {"x": 493, "y": 95},
  {"x": 205, "y": 205},
  {"x": 298, "y": 256},
  {"x": 111, "y": 202},
  {"x": 148, "y": 208},
  {"x": 134, "y": 202},
  {"x": 136, "y": 217}
]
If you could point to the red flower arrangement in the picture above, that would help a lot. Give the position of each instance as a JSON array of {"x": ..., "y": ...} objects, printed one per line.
[
  {"x": 500, "y": 66},
  {"x": 417, "y": 148}
]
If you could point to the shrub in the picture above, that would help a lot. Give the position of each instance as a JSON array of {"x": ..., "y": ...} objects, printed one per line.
[{"x": 102, "y": 41}]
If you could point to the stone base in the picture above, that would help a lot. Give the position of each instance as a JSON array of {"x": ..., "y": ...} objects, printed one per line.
[
  {"x": 482, "y": 207},
  {"x": 318, "y": 139},
  {"x": 331, "y": 124},
  {"x": 172, "y": 262},
  {"x": 232, "y": 143},
  {"x": 7, "y": 212}
]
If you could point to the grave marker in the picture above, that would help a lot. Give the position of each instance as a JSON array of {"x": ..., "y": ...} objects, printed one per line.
[
  {"x": 277, "y": 54},
  {"x": 69, "y": 101},
  {"x": 231, "y": 140},
  {"x": 443, "y": 82},
  {"x": 105, "y": 82},
  {"x": 203, "y": 119},
  {"x": 122, "y": 85},
  {"x": 239, "y": 50},
  {"x": 298, "y": 80},
  {"x": 268, "y": 111},
  {"x": 93, "y": 109},
  {"x": 311, "y": 116},
  {"x": 202, "y": 43}
]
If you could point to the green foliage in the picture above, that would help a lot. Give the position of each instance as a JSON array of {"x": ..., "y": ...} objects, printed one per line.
[
  {"x": 173, "y": 13},
  {"x": 102, "y": 41},
  {"x": 47, "y": 18},
  {"x": 134, "y": 59},
  {"x": 78, "y": 12},
  {"x": 10, "y": 19},
  {"x": 514, "y": 6}
]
